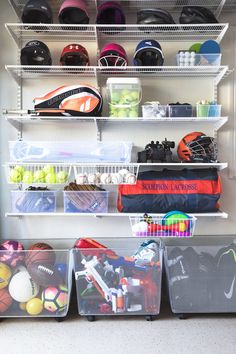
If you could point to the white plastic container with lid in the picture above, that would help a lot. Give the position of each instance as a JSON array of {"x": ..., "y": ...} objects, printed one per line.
[{"x": 124, "y": 97}]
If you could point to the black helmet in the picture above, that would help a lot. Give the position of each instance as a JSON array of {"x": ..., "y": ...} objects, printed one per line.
[
  {"x": 196, "y": 14},
  {"x": 37, "y": 11},
  {"x": 154, "y": 17},
  {"x": 35, "y": 53}
]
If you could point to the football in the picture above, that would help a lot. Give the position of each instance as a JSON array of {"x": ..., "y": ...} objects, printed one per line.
[{"x": 45, "y": 275}]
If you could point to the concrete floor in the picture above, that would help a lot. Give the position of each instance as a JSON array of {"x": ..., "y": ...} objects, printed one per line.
[{"x": 122, "y": 335}]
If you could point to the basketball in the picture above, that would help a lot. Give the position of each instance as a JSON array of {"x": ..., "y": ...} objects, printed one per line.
[
  {"x": 22, "y": 288},
  {"x": 5, "y": 300},
  {"x": 40, "y": 253},
  {"x": 10, "y": 253},
  {"x": 5, "y": 275}
]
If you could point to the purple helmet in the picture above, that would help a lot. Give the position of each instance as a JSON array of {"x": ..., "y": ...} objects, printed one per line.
[{"x": 113, "y": 54}]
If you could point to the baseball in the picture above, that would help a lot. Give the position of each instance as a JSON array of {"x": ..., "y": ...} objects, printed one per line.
[
  {"x": 116, "y": 178},
  {"x": 130, "y": 178},
  {"x": 105, "y": 178},
  {"x": 123, "y": 172},
  {"x": 93, "y": 178},
  {"x": 81, "y": 178}
]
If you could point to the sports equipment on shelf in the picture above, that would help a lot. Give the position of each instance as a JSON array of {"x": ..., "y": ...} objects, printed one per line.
[
  {"x": 154, "y": 17},
  {"x": 197, "y": 147},
  {"x": 156, "y": 152},
  {"x": 113, "y": 54},
  {"x": 37, "y": 11},
  {"x": 10, "y": 253},
  {"x": 196, "y": 14},
  {"x": 148, "y": 53},
  {"x": 74, "y": 55},
  {"x": 35, "y": 53},
  {"x": 73, "y": 12},
  {"x": 40, "y": 253},
  {"x": 75, "y": 100}
]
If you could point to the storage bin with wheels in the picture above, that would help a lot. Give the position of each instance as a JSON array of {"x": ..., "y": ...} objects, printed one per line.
[
  {"x": 35, "y": 278},
  {"x": 201, "y": 275},
  {"x": 118, "y": 276}
]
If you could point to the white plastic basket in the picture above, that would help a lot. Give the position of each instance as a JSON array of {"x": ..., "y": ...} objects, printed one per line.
[{"x": 160, "y": 227}]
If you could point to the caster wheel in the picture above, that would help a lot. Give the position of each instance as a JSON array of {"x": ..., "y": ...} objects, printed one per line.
[
  {"x": 149, "y": 318},
  {"x": 91, "y": 318},
  {"x": 182, "y": 316},
  {"x": 59, "y": 319}
]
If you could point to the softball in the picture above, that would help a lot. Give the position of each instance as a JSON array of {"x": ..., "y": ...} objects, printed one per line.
[
  {"x": 130, "y": 178},
  {"x": 116, "y": 178},
  {"x": 93, "y": 178}
]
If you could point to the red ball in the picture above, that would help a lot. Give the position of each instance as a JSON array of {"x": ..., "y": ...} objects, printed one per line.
[
  {"x": 11, "y": 253},
  {"x": 5, "y": 300},
  {"x": 40, "y": 253}
]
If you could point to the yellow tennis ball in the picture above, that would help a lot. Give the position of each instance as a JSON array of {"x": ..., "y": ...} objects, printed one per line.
[
  {"x": 62, "y": 177},
  {"x": 15, "y": 176},
  {"x": 48, "y": 169},
  {"x": 39, "y": 176},
  {"x": 34, "y": 306},
  {"x": 28, "y": 177},
  {"x": 51, "y": 178}
]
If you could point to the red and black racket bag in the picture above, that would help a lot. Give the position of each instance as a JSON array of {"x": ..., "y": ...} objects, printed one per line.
[{"x": 187, "y": 190}]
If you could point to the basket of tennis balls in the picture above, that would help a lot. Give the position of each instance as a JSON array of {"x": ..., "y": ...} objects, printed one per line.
[{"x": 124, "y": 97}]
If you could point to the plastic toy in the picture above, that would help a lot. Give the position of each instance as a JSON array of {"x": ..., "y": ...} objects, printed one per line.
[
  {"x": 156, "y": 152},
  {"x": 55, "y": 299}
]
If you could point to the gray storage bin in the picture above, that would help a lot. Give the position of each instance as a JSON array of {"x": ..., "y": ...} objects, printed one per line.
[{"x": 201, "y": 275}]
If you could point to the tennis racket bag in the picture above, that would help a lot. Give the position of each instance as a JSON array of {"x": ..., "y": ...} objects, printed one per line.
[{"x": 192, "y": 191}]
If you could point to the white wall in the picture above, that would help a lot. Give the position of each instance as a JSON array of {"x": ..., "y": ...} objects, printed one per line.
[{"x": 187, "y": 90}]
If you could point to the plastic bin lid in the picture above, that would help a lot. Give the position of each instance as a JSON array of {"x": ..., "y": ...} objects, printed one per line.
[{"x": 123, "y": 80}]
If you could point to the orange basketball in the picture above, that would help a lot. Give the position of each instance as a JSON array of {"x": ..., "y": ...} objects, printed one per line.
[
  {"x": 40, "y": 253},
  {"x": 5, "y": 300}
]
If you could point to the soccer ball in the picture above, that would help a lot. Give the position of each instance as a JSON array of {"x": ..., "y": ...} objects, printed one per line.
[
  {"x": 10, "y": 253},
  {"x": 55, "y": 299}
]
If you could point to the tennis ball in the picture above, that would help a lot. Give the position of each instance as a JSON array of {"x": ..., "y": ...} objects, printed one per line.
[
  {"x": 125, "y": 92},
  {"x": 39, "y": 176},
  {"x": 28, "y": 177},
  {"x": 115, "y": 97},
  {"x": 34, "y": 306},
  {"x": 21, "y": 169},
  {"x": 48, "y": 169},
  {"x": 51, "y": 178},
  {"x": 133, "y": 113},
  {"x": 62, "y": 177},
  {"x": 122, "y": 113},
  {"x": 134, "y": 95},
  {"x": 15, "y": 176}
]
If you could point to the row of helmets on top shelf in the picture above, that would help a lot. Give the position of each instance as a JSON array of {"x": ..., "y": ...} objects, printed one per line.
[
  {"x": 110, "y": 12},
  {"x": 148, "y": 52}
]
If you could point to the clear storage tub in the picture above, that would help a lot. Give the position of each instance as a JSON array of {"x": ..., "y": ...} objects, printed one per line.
[
  {"x": 196, "y": 59},
  {"x": 180, "y": 110},
  {"x": 124, "y": 97},
  {"x": 201, "y": 275},
  {"x": 77, "y": 151},
  {"x": 122, "y": 279},
  {"x": 36, "y": 281},
  {"x": 86, "y": 201},
  {"x": 154, "y": 111},
  {"x": 208, "y": 110},
  {"x": 33, "y": 201}
]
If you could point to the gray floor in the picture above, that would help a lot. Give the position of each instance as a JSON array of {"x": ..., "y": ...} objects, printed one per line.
[{"x": 130, "y": 335}]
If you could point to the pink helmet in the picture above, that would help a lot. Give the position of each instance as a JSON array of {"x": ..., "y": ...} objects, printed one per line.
[
  {"x": 113, "y": 54},
  {"x": 73, "y": 12}
]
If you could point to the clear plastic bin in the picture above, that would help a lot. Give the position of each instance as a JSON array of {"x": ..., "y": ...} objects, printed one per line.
[
  {"x": 36, "y": 282},
  {"x": 208, "y": 110},
  {"x": 154, "y": 111},
  {"x": 86, "y": 201},
  {"x": 122, "y": 279},
  {"x": 33, "y": 201},
  {"x": 201, "y": 275},
  {"x": 193, "y": 59},
  {"x": 124, "y": 97},
  {"x": 61, "y": 151},
  {"x": 180, "y": 110}
]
